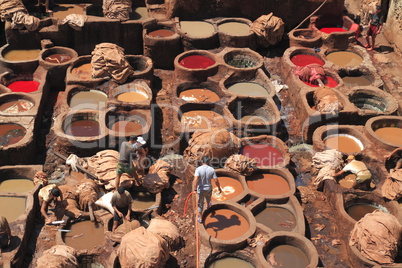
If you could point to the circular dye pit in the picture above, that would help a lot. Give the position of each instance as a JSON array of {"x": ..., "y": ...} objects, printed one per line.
[
  {"x": 277, "y": 219},
  {"x": 58, "y": 58},
  {"x": 91, "y": 99},
  {"x": 15, "y": 106},
  {"x": 21, "y": 55},
  {"x": 359, "y": 210},
  {"x": 26, "y": 86},
  {"x": 390, "y": 134},
  {"x": 196, "y": 62},
  {"x": 11, "y": 134},
  {"x": 248, "y": 89},
  {"x": 230, "y": 262},
  {"x": 354, "y": 81},
  {"x": 131, "y": 93},
  {"x": 85, "y": 235},
  {"x": 197, "y": 28},
  {"x": 366, "y": 101},
  {"x": 242, "y": 61},
  {"x": 268, "y": 184},
  {"x": 142, "y": 200},
  {"x": 230, "y": 189},
  {"x": 234, "y": 28},
  {"x": 82, "y": 126},
  {"x": 199, "y": 95},
  {"x": 16, "y": 185},
  {"x": 225, "y": 224},
  {"x": 202, "y": 119},
  {"x": 265, "y": 155},
  {"x": 123, "y": 126},
  {"x": 328, "y": 81},
  {"x": 161, "y": 33},
  {"x": 345, "y": 58},
  {"x": 344, "y": 143},
  {"x": 15, "y": 207},
  {"x": 306, "y": 59},
  {"x": 329, "y": 30},
  {"x": 287, "y": 256},
  {"x": 83, "y": 71}
]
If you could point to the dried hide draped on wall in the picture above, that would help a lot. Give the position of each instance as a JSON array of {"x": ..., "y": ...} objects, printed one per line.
[
  {"x": 269, "y": 30},
  {"x": 241, "y": 164},
  {"x": 117, "y": 9},
  {"x": 15, "y": 11}
]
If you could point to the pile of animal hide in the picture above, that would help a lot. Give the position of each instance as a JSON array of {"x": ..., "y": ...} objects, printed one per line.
[
  {"x": 241, "y": 164},
  {"x": 60, "y": 255},
  {"x": 269, "y": 30},
  {"x": 15, "y": 11},
  {"x": 392, "y": 187},
  {"x": 326, "y": 100},
  {"x": 326, "y": 162},
  {"x": 157, "y": 178},
  {"x": 310, "y": 73}
]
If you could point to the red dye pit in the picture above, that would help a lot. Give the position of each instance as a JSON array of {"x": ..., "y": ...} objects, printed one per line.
[
  {"x": 329, "y": 30},
  {"x": 329, "y": 82},
  {"x": 24, "y": 86},
  {"x": 265, "y": 155},
  {"x": 197, "y": 62},
  {"x": 305, "y": 59}
]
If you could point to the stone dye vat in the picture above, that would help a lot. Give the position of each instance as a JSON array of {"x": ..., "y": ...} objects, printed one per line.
[
  {"x": 24, "y": 86},
  {"x": 233, "y": 186},
  {"x": 238, "y": 258},
  {"x": 123, "y": 124},
  {"x": 385, "y": 131},
  {"x": 80, "y": 72},
  {"x": 19, "y": 59},
  {"x": 86, "y": 99},
  {"x": 142, "y": 66},
  {"x": 344, "y": 58},
  {"x": 17, "y": 186},
  {"x": 197, "y": 34},
  {"x": 133, "y": 94},
  {"x": 297, "y": 56},
  {"x": 57, "y": 57},
  {"x": 248, "y": 89},
  {"x": 13, "y": 104},
  {"x": 12, "y": 212},
  {"x": 11, "y": 133},
  {"x": 201, "y": 119},
  {"x": 304, "y": 38},
  {"x": 362, "y": 77},
  {"x": 354, "y": 81},
  {"x": 195, "y": 65},
  {"x": 306, "y": 59},
  {"x": 286, "y": 249},
  {"x": 242, "y": 60},
  {"x": 344, "y": 143},
  {"x": 197, "y": 28},
  {"x": 199, "y": 95},
  {"x": 372, "y": 99},
  {"x": 82, "y": 125},
  {"x": 84, "y": 235},
  {"x": 236, "y": 32}
]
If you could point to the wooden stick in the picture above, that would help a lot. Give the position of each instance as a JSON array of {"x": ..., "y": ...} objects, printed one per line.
[{"x": 79, "y": 167}]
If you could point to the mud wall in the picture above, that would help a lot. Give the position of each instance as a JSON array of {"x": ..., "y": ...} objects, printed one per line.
[
  {"x": 393, "y": 27},
  {"x": 292, "y": 12}
]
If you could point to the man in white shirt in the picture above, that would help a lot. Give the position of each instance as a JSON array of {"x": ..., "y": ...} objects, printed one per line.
[{"x": 363, "y": 175}]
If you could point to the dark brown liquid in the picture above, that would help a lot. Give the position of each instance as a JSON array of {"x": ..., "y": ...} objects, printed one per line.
[
  {"x": 390, "y": 134},
  {"x": 161, "y": 33},
  {"x": 358, "y": 211},
  {"x": 11, "y": 134},
  {"x": 230, "y": 189},
  {"x": 15, "y": 106},
  {"x": 142, "y": 200},
  {"x": 287, "y": 256},
  {"x": 343, "y": 144},
  {"x": 199, "y": 95},
  {"x": 277, "y": 219},
  {"x": 202, "y": 119},
  {"x": 268, "y": 184},
  {"x": 230, "y": 262},
  {"x": 16, "y": 185},
  {"x": 14, "y": 208},
  {"x": 225, "y": 224},
  {"x": 83, "y": 128},
  {"x": 58, "y": 58},
  {"x": 126, "y": 126},
  {"x": 85, "y": 235}
]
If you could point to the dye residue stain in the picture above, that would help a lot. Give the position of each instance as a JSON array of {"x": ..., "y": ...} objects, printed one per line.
[
  {"x": 306, "y": 59},
  {"x": 390, "y": 134},
  {"x": 24, "y": 86},
  {"x": 328, "y": 81},
  {"x": 230, "y": 189},
  {"x": 142, "y": 200},
  {"x": 15, "y": 106},
  {"x": 225, "y": 224},
  {"x": 287, "y": 256},
  {"x": 277, "y": 219},
  {"x": 202, "y": 119},
  {"x": 58, "y": 58},
  {"x": 345, "y": 58},
  {"x": 357, "y": 211},
  {"x": 343, "y": 144},
  {"x": 22, "y": 55},
  {"x": 199, "y": 95},
  {"x": 11, "y": 134},
  {"x": 126, "y": 126},
  {"x": 83, "y": 128},
  {"x": 161, "y": 33},
  {"x": 85, "y": 235},
  {"x": 197, "y": 62},
  {"x": 132, "y": 97},
  {"x": 230, "y": 262},
  {"x": 265, "y": 155},
  {"x": 83, "y": 71},
  {"x": 268, "y": 184},
  {"x": 15, "y": 208},
  {"x": 248, "y": 89},
  {"x": 16, "y": 185}
]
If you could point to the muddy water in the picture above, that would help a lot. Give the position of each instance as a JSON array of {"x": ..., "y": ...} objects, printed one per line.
[
  {"x": 287, "y": 256},
  {"x": 234, "y": 28},
  {"x": 126, "y": 126},
  {"x": 85, "y": 235},
  {"x": 268, "y": 184},
  {"x": 254, "y": 119},
  {"x": 132, "y": 97},
  {"x": 345, "y": 58},
  {"x": 390, "y": 134},
  {"x": 22, "y": 55},
  {"x": 16, "y": 185},
  {"x": 277, "y": 219},
  {"x": 83, "y": 71},
  {"x": 328, "y": 81},
  {"x": 202, "y": 119},
  {"x": 92, "y": 99},
  {"x": 140, "y": 13},
  {"x": 225, "y": 224},
  {"x": 142, "y": 200},
  {"x": 357, "y": 211},
  {"x": 343, "y": 144},
  {"x": 58, "y": 58},
  {"x": 329, "y": 30},
  {"x": 249, "y": 89},
  {"x": 230, "y": 189},
  {"x": 197, "y": 62},
  {"x": 15, "y": 208},
  {"x": 305, "y": 59},
  {"x": 265, "y": 155},
  {"x": 199, "y": 95},
  {"x": 197, "y": 28},
  {"x": 11, "y": 134},
  {"x": 354, "y": 81},
  {"x": 24, "y": 86},
  {"x": 230, "y": 262},
  {"x": 83, "y": 128},
  {"x": 15, "y": 106},
  {"x": 161, "y": 33},
  {"x": 348, "y": 181}
]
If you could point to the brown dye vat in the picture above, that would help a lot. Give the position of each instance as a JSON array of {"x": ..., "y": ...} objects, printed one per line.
[
  {"x": 83, "y": 71},
  {"x": 345, "y": 58},
  {"x": 234, "y": 28},
  {"x": 58, "y": 58},
  {"x": 357, "y": 211},
  {"x": 230, "y": 262},
  {"x": 161, "y": 33},
  {"x": 132, "y": 97},
  {"x": 85, "y": 235},
  {"x": 343, "y": 143},
  {"x": 11, "y": 134},
  {"x": 199, "y": 95},
  {"x": 15, "y": 208},
  {"x": 142, "y": 200},
  {"x": 277, "y": 219},
  {"x": 126, "y": 126},
  {"x": 202, "y": 119},
  {"x": 265, "y": 155},
  {"x": 390, "y": 134},
  {"x": 354, "y": 81},
  {"x": 230, "y": 189},
  {"x": 15, "y": 106},
  {"x": 22, "y": 55},
  {"x": 16, "y": 185},
  {"x": 92, "y": 99},
  {"x": 197, "y": 28},
  {"x": 83, "y": 128},
  {"x": 248, "y": 89},
  {"x": 268, "y": 184},
  {"x": 287, "y": 256},
  {"x": 225, "y": 224}
]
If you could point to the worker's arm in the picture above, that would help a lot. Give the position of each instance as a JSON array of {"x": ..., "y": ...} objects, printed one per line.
[
  {"x": 218, "y": 185},
  {"x": 195, "y": 181},
  {"x": 117, "y": 212},
  {"x": 128, "y": 216},
  {"x": 339, "y": 173},
  {"x": 43, "y": 211}
]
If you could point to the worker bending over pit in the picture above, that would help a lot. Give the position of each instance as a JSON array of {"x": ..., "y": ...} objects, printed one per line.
[
  {"x": 363, "y": 175},
  {"x": 121, "y": 203},
  {"x": 48, "y": 194}
]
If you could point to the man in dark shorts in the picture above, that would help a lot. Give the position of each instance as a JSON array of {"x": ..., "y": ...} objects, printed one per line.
[
  {"x": 127, "y": 152},
  {"x": 121, "y": 203},
  {"x": 375, "y": 26}
]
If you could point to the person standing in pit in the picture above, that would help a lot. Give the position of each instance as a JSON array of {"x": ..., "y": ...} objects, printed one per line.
[
  {"x": 375, "y": 26},
  {"x": 121, "y": 203},
  {"x": 202, "y": 184}
]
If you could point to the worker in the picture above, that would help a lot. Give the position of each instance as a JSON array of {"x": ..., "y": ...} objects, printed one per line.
[
  {"x": 48, "y": 194},
  {"x": 5, "y": 233},
  {"x": 121, "y": 203},
  {"x": 127, "y": 152},
  {"x": 363, "y": 175},
  {"x": 202, "y": 184},
  {"x": 375, "y": 26}
]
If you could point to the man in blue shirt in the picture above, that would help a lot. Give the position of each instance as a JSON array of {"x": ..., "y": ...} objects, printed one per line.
[{"x": 202, "y": 184}]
